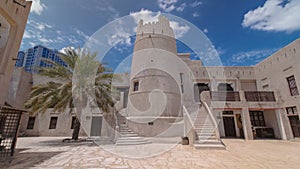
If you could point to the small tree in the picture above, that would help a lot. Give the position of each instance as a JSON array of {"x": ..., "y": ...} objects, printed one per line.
[{"x": 83, "y": 82}]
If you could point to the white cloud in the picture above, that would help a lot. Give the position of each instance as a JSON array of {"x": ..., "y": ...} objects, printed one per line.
[
  {"x": 195, "y": 14},
  {"x": 196, "y": 3},
  {"x": 252, "y": 56},
  {"x": 120, "y": 37},
  {"x": 179, "y": 30},
  {"x": 181, "y": 7},
  {"x": 32, "y": 44},
  {"x": 63, "y": 50},
  {"x": 145, "y": 15},
  {"x": 205, "y": 30},
  {"x": 80, "y": 33},
  {"x": 102, "y": 8},
  {"x": 274, "y": 15},
  {"x": 40, "y": 33},
  {"x": 45, "y": 41},
  {"x": 37, "y": 7},
  {"x": 167, "y": 5},
  {"x": 27, "y": 35},
  {"x": 39, "y": 25}
]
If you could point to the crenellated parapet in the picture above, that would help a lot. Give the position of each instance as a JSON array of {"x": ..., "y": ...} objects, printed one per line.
[{"x": 162, "y": 27}]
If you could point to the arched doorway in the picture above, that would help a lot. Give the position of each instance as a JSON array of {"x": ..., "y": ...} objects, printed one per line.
[
  {"x": 198, "y": 89},
  {"x": 225, "y": 87}
]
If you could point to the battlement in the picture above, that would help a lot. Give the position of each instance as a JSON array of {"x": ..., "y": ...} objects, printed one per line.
[{"x": 162, "y": 27}]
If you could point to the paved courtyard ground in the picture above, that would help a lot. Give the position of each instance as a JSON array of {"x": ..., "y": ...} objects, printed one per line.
[{"x": 43, "y": 152}]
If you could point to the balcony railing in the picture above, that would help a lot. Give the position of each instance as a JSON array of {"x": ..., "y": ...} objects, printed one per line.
[
  {"x": 225, "y": 96},
  {"x": 259, "y": 96}
]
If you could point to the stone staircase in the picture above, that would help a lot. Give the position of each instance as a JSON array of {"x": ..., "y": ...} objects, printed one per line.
[
  {"x": 205, "y": 133},
  {"x": 126, "y": 135}
]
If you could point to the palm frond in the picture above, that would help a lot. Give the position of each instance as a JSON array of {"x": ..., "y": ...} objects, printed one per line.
[{"x": 83, "y": 78}]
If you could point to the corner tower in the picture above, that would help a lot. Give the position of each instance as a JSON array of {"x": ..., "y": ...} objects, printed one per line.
[{"x": 154, "y": 96}]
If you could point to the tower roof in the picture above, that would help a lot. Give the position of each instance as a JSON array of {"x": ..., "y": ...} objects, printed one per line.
[{"x": 162, "y": 26}]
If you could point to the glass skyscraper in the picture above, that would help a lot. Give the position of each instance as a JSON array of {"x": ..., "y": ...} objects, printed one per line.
[{"x": 34, "y": 58}]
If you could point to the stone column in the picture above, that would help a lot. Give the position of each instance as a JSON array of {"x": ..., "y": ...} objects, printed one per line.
[
  {"x": 285, "y": 123},
  {"x": 298, "y": 110},
  {"x": 280, "y": 124},
  {"x": 238, "y": 84},
  {"x": 247, "y": 124}
]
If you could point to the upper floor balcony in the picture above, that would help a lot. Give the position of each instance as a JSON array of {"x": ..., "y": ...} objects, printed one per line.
[
  {"x": 225, "y": 96},
  {"x": 260, "y": 96},
  {"x": 240, "y": 99},
  {"x": 249, "y": 96}
]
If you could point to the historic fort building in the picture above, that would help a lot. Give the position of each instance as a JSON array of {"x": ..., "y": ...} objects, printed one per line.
[{"x": 169, "y": 95}]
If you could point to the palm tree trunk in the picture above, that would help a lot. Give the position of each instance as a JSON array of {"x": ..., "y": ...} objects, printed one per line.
[{"x": 76, "y": 129}]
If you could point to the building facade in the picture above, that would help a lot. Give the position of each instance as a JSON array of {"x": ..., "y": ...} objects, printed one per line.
[
  {"x": 199, "y": 102},
  {"x": 13, "y": 18},
  {"x": 33, "y": 58}
]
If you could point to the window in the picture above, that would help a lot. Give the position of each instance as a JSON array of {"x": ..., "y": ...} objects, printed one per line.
[
  {"x": 2, "y": 122},
  {"x": 257, "y": 118},
  {"x": 291, "y": 110},
  {"x": 181, "y": 82},
  {"x": 227, "y": 112},
  {"x": 293, "y": 86},
  {"x": 53, "y": 122},
  {"x": 73, "y": 122},
  {"x": 30, "y": 124},
  {"x": 136, "y": 86},
  {"x": 265, "y": 86}
]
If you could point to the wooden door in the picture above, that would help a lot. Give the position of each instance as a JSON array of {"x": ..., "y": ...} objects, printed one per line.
[
  {"x": 229, "y": 126},
  {"x": 96, "y": 126},
  {"x": 295, "y": 125}
]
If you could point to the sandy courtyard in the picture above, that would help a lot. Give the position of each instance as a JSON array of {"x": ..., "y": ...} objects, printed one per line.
[{"x": 43, "y": 152}]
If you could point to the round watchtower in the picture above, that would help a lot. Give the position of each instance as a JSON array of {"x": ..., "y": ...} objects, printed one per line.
[{"x": 154, "y": 96}]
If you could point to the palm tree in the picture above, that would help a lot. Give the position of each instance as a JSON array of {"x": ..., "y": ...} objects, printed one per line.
[{"x": 80, "y": 83}]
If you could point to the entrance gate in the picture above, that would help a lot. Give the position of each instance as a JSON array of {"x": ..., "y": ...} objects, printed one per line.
[{"x": 9, "y": 125}]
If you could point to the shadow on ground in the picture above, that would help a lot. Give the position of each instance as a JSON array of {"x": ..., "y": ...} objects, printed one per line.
[
  {"x": 60, "y": 143},
  {"x": 20, "y": 159}
]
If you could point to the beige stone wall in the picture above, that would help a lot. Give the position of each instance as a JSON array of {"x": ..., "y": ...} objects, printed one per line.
[
  {"x": 20, "y": 88},
  {"x": 42, "y": 122},
  {"x": 272, "y": 72},
  {"x": 23, "y": 81},
  {"x": 13, "y": 19}
]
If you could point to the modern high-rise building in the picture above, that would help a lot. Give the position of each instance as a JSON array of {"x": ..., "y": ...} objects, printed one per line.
[
  {"x": 20, "y": 60},
  {"x": 33, "y": 58}
]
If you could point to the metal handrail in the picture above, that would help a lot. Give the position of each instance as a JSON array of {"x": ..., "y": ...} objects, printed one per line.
[
  {"x": 260, "y": 96},
  {"x": 186, "y": 113},
  {"x": 225, "y": 96},
  {"x": 212, "y": 118}
]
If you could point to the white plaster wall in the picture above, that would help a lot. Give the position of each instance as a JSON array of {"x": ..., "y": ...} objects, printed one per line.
[
  {"x": 14, "y": 18},
  {"x": 274, "y": 70},
  {"x": 271, "y": 121}
]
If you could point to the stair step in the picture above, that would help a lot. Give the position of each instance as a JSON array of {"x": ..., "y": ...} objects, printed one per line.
[
  {"x": 204, "y": 129},
  {"x": 131, "y": 143},
  {"x": 130, "y": 138},
  {"x": 126, "y": 132},
  {"x": 207, "y": 138},
  {"x": 208, "y": 142},
  {"x": 210, "y": 146},
  {"x": 206, "y": 134},
  {"x": 129, "y": 134}
]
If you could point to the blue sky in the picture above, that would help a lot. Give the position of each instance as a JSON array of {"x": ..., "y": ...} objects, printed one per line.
[{"x": 243, "y": 32}]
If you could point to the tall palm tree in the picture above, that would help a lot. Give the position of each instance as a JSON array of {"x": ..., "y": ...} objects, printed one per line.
[{"x": 80, "y": 83}]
